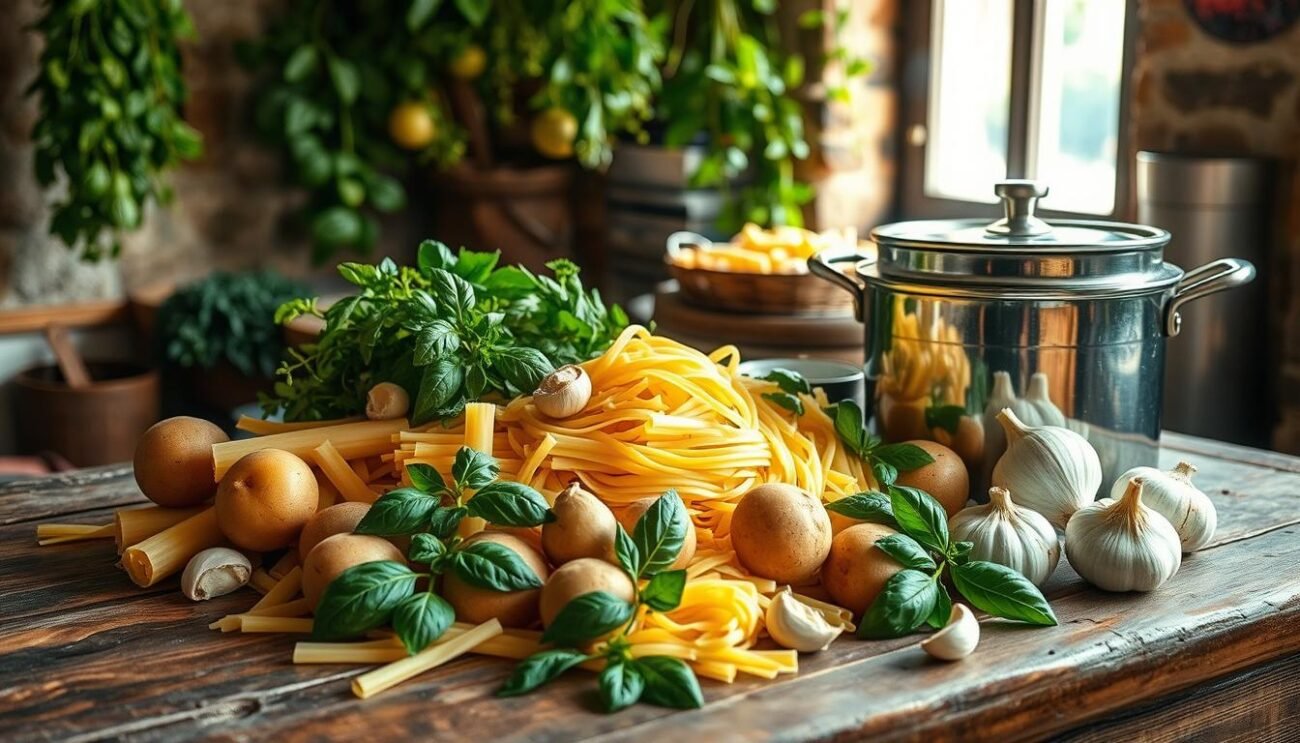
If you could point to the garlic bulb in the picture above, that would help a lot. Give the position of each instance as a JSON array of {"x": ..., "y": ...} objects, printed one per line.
[
  {"x": 1009, "y": 535},
  {"x": 796, "y": 625},
  {"x": 1039, "y": 400},
  {"x": 1052, "y": 470},
  {"x": 1122, "y": 545},
  {"x": 957, "y": 639},
  {"x": 1172, "y": 495}
]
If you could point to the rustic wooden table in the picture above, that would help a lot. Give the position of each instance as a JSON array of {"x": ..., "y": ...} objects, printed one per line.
[{"x": 86, "y": 655}]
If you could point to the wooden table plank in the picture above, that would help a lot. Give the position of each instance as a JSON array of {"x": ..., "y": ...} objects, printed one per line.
[{"x": 84, "y": 654}]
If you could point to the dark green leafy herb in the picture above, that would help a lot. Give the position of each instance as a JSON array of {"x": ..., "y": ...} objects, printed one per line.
[
  {"x": 947, "y": 417},
  {"x": 659, "y": 534},
  {"x": 664, "y": 591},
  {"x": 942, "y": 608},
  {"x": 621, "y": 685},
  {"x": 227, "y": 317},
  {"x": 490, "y": 565},
  {"x": 885, "y": 460},
  {"x": 110, "y": 125},
  {"x": 362, "y": 598},
  {"x": 789, "y": 381},
  {"x": 510, "y": 504},
  {"x": 669, "y": 682},
  {"x": 421, "y": 619},
  {"x": 920, "y": 516},
  {"x": 473, "y": 469},
  {"x": 1002, "y": 592},
  {"x": 398, "y": 512},
  {"x": 873, "y": 507},
  {"x": 629, "y": 557},
  {"x": 907, "y": 551},
  {"x": 587, "y": 617},
  {"x": 786, "y": 400},
  {"x": 449, "y": 332},
  {"x": 540, "y": 669},
  {"x": 903, "y": 605},
  {"x": 425, "y": 548}
]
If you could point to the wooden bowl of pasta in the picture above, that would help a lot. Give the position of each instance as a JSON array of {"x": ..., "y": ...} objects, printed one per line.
[{"x": 759, "y": 271}]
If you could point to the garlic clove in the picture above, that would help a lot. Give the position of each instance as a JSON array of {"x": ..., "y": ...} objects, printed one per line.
[
  {"x": 387, "y": 401},
  {"x": 957, "y": 639},
  {"x": 214, "y": 572},
  {"x": 564, "y": 392},
  {"x": 795, "y": 625}
]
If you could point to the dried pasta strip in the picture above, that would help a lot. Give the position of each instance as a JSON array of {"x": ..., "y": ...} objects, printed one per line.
[
  {"x": 353, "y": 440},
  {"x": 368, "y": 684},
  {"x": 331, "y": 462},
  {"x": 167, "y": 552}
]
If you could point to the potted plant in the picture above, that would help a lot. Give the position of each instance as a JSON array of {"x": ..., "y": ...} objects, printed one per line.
[{"x": 490, "y": 95}]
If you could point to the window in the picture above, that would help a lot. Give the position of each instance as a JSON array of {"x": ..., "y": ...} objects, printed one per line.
[{"x": 1020, "y": 89}]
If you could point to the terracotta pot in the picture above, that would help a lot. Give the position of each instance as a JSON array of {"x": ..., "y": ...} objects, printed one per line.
[
  {"x": 526, "y": 213},
  {"x": 95, "y": 425}
]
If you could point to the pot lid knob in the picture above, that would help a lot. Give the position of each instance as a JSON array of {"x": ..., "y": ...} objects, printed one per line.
[{"x": 1019, "y": 197}]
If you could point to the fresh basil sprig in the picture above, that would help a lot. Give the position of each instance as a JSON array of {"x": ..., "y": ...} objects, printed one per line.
[
  {"x": 885, "y": 460},
  {"x": 916, "y": 595},
  {"x": 652, "y": 547},
  {"x": 792, "y": 384},
  {"x": 376, "y": 593}
]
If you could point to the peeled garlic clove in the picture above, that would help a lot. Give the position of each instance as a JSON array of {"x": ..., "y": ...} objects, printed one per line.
[
  {"x": 214, "y": 572},
  {"x": 1172, "y": 495},
  {"x": 796, "y": 625},
  {"x": 1052, "y": 470},
  {"x": 1122, "y": 545},
  {"x": 1009, "y": 535},
  {"x": 958, "y": 637},
  {"x": 563, "y": 392},
  {"x": 387, "y": 401}
]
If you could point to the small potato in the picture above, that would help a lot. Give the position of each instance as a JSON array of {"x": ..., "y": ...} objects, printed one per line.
[
  {"x": 632, "y": 512},
  {"x": 946, "y": 478},
  {"x": 333, "y": 555},
  {"x": 173, "y": 461},
  {"x": 584, "y": 575},
  {"x": 855, "y": 571},
  {"x": 341, "y": 518},
  {"x": 583, "y": 527},
  {"x": 265, "y": 500},
  {"x": 513, "y": 608},
  {"x": 782, "y": 533}
]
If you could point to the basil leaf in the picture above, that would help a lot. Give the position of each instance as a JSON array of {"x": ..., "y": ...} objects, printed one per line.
[
  {"x": 885, "y": 473},
  {"x": 434, "y": 340},
  {"x": 397, "y": 512},
  {"x": 959, "y": 552},
  {"x": 905, "y": 603},
  {"x": 425, "y": 477},
  {"x": 789, "y": 381},
  {"x": 540, "y": 669},
  {"x": 1002, "y": 592},
  {"x": 621, "y": 685},
  {"x": 421, "y": 619},
  {"x": 947, "y": 417},
  {"x": 664, "y": 591},
  {"x": 906, "y": 551},
  {"x": 425, "y": 548},
  {"x": 510, "y": 504},
  {"x": 938, "y": 618},
  {"x": 439, "y": 386},
  {"x": 848, "y": 424},
  {"x": 453, "y": 291},
  {"x": 873, "y": 507},
  {"x": 625, "y": 550},
  {"x": 444, "y": 521},
  {"x": 587, "y": 617},
  {"x": 660, "y": 533},
  {"x": 902, "y": 457},
  {"x": 361, "y": 598},
  {"x": 473, "y": 469},
  {"x": 786, "y": 400},
  {"x": 522, "y": 367},
  {"x": 920, "y": 516},
  {"x": 490, "y": 565},
  {"x": 669, "y": 682},
  {"x": 432, "y": 255}
]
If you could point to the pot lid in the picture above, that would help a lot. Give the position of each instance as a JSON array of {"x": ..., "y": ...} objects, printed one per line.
[{"x": 1022, "y": 251}]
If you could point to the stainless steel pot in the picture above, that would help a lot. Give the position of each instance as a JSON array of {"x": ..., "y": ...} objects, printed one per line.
[{"x": 1070, "y": 317}]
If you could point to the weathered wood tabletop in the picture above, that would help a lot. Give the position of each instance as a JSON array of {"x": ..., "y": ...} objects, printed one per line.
[{"x": 1213, "y": 655}]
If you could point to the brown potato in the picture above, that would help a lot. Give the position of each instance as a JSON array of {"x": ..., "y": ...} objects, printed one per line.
[
  {"x": 782, "y": 533},
  {"x": 265, "y": 500},
  {"x": 173, "y": 461},
  {"x": 514, "y": 608},
  {"x": 584, "y": 575},
  {"x": 855, "y": 571},
  {"x": 946, "y": 478},
  {"x": 583, "y": 527},
  {"x": 340, "y": 518},
  {"x": 333, "y": 555},
  {"x": 632, "y": 512}
]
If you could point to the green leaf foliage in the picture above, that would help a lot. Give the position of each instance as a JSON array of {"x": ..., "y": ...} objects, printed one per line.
[
  {"x": 492, "y": 566},
  {"x": 873, "y": 507},
  {"x": 660, "y": 533},
  {"x": 664, "y": 591},
  {"x": 587, "y": 617},
  {"x": 398, "y": 512},
  {"x": 421, "y": 619},
  {"x": 906, "y": 551},
  {"x": 510, "y": 504},
  {"x": 669, "y": 682},
  {"x": 621, "y": 685},
  {"x": 903, "y": 605},
  {"x": 920, "y": 516},
  {"x": 1002, "y": 592},
  {"x": 540, "y": 669},
  {"x": 362, "y": 598}
]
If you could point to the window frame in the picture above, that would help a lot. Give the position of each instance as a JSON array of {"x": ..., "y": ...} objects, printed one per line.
[{"x": 917, "y": 34}]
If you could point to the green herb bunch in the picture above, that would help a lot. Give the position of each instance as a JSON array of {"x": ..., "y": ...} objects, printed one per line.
[
  {"x": 385, "y": 592},
  {"x": 230, "y": 317},
  {"x": 645, "y": 555},
  {"x": 452, "y": 330},
  {"x": 729, "y": 77},
  {"x": 110, "y": 124}
]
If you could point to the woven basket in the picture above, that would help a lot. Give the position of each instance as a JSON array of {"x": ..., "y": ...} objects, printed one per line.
[{"x": 757, "y": 293}]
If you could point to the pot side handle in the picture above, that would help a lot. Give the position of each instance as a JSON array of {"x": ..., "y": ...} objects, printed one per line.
[
  {"x": 1213, "y": 277},
  {"x": 679, "y": 241},
  {"x": 822, "y": 265}
]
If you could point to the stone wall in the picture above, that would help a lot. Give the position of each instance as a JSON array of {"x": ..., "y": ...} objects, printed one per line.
[{"x": 1198, "y": 95}]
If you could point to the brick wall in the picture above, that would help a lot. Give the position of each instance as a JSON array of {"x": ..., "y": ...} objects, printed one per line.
[{"x": 1196, "y": 94}]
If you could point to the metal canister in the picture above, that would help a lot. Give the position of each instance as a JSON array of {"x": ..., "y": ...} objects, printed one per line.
[{"x": 1065, "y": 322}]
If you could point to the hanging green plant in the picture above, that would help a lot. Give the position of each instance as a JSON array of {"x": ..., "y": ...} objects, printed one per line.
[{"x": 110, "y": 122}]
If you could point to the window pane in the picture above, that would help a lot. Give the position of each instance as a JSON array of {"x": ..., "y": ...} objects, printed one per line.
[
  {"x": 1078, "y": 125},
  {"x": 970, "y": 89}
]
